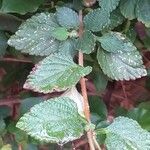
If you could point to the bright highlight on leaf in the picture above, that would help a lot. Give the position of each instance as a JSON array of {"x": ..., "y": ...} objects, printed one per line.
[
  {"x": 119, "y": 58},
  {"x": 126, "y": 134},
  {"x": 55, "y": 73},
  {"x": 55, "y": 120},
  {"x": 34, "y": 36}
]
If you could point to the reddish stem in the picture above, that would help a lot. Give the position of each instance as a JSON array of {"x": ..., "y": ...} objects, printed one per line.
[{"x": 84, "y": 90}]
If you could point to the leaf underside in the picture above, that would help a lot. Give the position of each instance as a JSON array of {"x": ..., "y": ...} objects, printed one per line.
[
  {"x": 119, "y": 58},
  {"x": 55, "y": 120},
  {"x": 55, "y": 73},
  {"x": 126, "y": 134}
]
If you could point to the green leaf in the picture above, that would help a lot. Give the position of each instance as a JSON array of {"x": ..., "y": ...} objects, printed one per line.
[
  {"x": 27, "y": 103},
  {"x": 68, "y": 47},
  {"x": 60, "y": 33},
  {"x": 126, "y": 134},
  {"x": 3, "y": 43},
  {"x": 9, "y": 22},
  {"x": 59, "y": 121},
  {"x": 86, "y": 43},
  {"x": 67, "y": 18},
  {"x": 120, "y": 59},
  {"x": 127, "y": 8},
  {"x": 116, "y": 18},
  {"x": 2, "y": 126},
  {"x": 34, "y": 35},
  {"x": 108, "y": 5},
  {"x": 99, "y": 78},
  {"x": 5, "y": 111},
  {"x": 96, "y": 20},
  {"x": 74, "y": 95},
  {"x": 20, "y": 6},
  {"x": 55, "y": 73},
  {"x": 98, "y": 107},
  {"x": 142, "y": 11}
]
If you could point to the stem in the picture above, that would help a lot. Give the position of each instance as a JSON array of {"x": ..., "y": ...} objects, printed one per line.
[
  {"x": 84, "y": 90},
  {"x": 19, "y": 147}
]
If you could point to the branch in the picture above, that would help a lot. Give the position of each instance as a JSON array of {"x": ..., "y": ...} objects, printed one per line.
[
  {"x": 15, "y": 60},
  {"x": 84, "y": 90}
]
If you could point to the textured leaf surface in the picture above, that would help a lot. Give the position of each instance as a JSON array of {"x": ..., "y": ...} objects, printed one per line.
[
  {"x": 86, "y": 43},
  {"x": 96, "y": 20},
  {"x": 126, "y": 134},
  {"x": 127, "y": 8},
  {"x": 3, "y": 43},
  {"x": 120, "y": 59},
  {"x": 73, "y": 94},
  {"x": 34, "y": 36},
  {"x": 116, "y": 18},
  {"x": 67, "y": 17},
  {"x": 20, "y": 6},
  {"x": 143, "y": 11},
  {"x": 59, "y": 121},
  {"x": 108, "y": 5},
  {"x": 56, "y": 72},
  {"x": 68, "y": 47}
]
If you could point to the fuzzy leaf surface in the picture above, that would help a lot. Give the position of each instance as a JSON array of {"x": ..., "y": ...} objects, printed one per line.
[
  {"x": 127, "y": 8},
  {"x": 59, "y": 121},
  {"x": 67, "y": 17},
  {"x": 108, "y": 5},
  {"x": 96, "y": 20},
  {"x": 55, "y": 73},
  {"x": 143, "y": 11},
  {"x": 119, "y": 58},
  {"x": 34, "y": 36},
  {"x": 86, "y": 43},
  {"x": 127, "y": 134}
]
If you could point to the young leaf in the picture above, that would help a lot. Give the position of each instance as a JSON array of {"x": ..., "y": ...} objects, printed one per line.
[
  {"x": 142, "y": 11},
  {"x": 86, "y": 43},
  {"x": 56, "y": 72},
  {"x": 56, "y": 120},
  {"x": 127, "y": 8},
  {"x": 34, "y": 36},
  {"x": 73, "y": 94},
  {"x": 96, "y": 20},
  {"x": 108, "y": 5},
  {"x": 2, "y": 126},
  {"x": 120, "y": 59},
  {"x": 60, "y": 33},
  {"x": 67, "y": 18},
  {"x": 125, "y": 134},
  {"x": 20, "y": 6}
]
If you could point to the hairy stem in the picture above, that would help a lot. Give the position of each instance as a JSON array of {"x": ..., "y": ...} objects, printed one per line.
[{"x": 84, "y": 90}]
